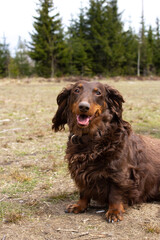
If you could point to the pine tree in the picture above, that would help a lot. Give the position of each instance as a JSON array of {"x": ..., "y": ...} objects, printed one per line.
[
  {"x": 78, "y": 45},
  {"x": 21, "y": 61},
  {"x": 105, "y": 37},
  {"x": 143, "y": 46},
  {"x": 13, "y": 68},
  {"x": 4, "y": 58},
  {"x": 130, "y": 42},
  {"x": 114, "y": 28},
  {"x": 97, "y": 36},
  {"x": 47, "y": 44},
  {"x": 156, "y": 48},
  {"x": 150, "y": 45}
]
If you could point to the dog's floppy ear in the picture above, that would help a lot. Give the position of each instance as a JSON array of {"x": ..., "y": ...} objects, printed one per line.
[
  {"x": 114, "y": 100},
  {"x": 60, "y": 118}
]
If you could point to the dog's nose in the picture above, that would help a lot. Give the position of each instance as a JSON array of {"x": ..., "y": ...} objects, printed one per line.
[{"x": 84, "y": 106}]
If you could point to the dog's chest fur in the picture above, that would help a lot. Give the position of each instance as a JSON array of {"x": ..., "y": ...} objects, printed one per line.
[{"x": 92, "y": 168}]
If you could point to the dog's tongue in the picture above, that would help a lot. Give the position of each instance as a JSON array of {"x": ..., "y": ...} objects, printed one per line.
[{"x": 83, "y": 120}]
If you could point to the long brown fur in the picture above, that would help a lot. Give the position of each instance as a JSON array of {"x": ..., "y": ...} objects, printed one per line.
[{"x": 107, "y": 160}]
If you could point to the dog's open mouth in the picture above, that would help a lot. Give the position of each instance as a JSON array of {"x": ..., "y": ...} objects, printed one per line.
[{"x": 83, "y": 120}]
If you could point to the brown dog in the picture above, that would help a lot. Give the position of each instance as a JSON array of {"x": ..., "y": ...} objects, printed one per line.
[{"x": 108, "y": 162}]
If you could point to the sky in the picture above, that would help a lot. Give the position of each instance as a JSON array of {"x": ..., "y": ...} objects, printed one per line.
[{"x": 16, "y": 16}]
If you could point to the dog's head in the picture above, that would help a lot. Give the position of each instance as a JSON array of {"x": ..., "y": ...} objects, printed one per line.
[{"x": 84, "y": 104}]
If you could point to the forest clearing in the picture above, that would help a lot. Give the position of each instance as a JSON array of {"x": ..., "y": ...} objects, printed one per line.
[{"x": 35, "y": 185}]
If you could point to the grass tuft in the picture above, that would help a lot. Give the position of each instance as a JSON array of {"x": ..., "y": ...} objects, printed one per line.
[
  {"x": 13, "y": 217},
  {"x": 62, "y": 196},
  {"x": 20, "y": 177},
  {"x": 152, "y": 228},
  {"x": 11, "y": 212}
]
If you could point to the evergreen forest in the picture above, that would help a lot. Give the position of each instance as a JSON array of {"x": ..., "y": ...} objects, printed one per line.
[{"x": 94, "y": 44}]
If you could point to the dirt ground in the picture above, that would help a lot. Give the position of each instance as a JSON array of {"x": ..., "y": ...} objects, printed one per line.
[
  {"x": 141, "y": 222},
  {"x": 35, "y": 185}
]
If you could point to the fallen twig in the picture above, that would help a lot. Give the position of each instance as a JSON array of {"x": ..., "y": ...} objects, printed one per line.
[
  {"x": 99, "y": 236},
  {"x": 100, "y": 211},
  {"x": 4, "y": 237},
  {"x": 2, "y": 199},
  {"x": 80, "y": 235},
  {"x": 83, "y": 234},
  {"x": 66, "y": 230}
]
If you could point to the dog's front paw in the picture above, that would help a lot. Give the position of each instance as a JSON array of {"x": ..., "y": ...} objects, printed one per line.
[
  {"x": 115, "y": 213},
  {"x": 74, "y": 208}
]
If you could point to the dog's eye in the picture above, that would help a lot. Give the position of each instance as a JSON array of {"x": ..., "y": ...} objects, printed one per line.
[
  {"x": 76, "y": 90},
  {"x": 98, "y": 93}
]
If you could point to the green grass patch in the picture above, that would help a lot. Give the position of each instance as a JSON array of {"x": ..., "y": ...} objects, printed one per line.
[
  {"x": 55, "y": 198},
  {"x": 14, "y": 189},
  {"x": 11, "y": 212},
  {"x": 21, "y": 153}
]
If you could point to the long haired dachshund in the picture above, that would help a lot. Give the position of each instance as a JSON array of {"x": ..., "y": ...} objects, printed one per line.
[{"x": 107, "y": 160}]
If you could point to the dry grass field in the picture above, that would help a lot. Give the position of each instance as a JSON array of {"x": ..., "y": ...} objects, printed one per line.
[{"x": 35, "y": 185}]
